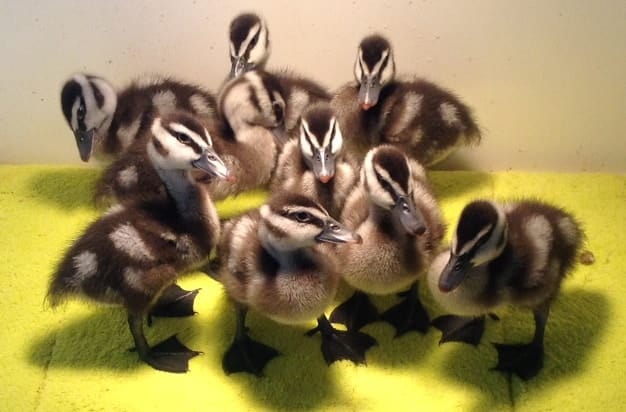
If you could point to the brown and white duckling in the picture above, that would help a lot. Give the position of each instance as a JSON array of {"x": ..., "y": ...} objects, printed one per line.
[
  {"x": 513, "y": 253},
  {"x": 394, "y": 211},
  {"x": 249, "y": 43},
  {"x": 272, "y": 261},
  {"x": 425, "y": 121},
  {"x": 134, "y": 253},
  {"x": 315, "y": 163},
  {"x": 105, "y": 122}
]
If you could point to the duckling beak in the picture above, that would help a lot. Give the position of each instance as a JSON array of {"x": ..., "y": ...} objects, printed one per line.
[
  {"x": 324, "y": 166},
  {"x": 454, "y": 273},
  {"x": 239, "y": 67},
  {"x": 410, "y": 218},
  {"x": 334, "y": 232},
  {"x": 84, "y": 141},
  {"x": 368, "y": 93},
  {"x": 211, "y": 163},
  {"x": 280, "y": 136}
]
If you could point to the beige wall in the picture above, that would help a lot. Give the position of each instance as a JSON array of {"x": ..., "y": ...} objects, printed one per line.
[{"x": 546, "y": 79}]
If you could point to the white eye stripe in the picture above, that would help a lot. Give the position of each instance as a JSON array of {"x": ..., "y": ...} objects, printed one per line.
[
  {"x": 469, "y": 245},
  {"x": 336, "y": 140},
  {"x": 244, "y": 44},
  {"x": 379, "y": 63},
  {"x": 193, "y": 135},
  {"x": 387, "y": 178},
  {"x": 362, "y": 64},
  {"x": 306, "y": 135}
]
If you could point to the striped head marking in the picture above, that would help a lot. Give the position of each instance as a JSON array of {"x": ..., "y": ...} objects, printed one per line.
[
  {"x": 480, "y": 237},
  {"x": 320, "y": 141},
  {"x": 249, "y": 43},
  {"x": 88, "y": 104},
  {"x": 292, "y": 221},
  {"x": 180, "y": 142},
  {"x": 387, "y": 179},
  {"x": 374, "y": 67}
]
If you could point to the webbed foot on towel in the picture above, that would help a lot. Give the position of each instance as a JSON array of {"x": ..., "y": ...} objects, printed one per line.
[
  {"x": 525, "y": 360},
  {"x": 355, "y": 312},
  {"x": 408, "y": 315},
  {"x": 247, "y": 355},
  {"x": 460, "y": 329},
  {"x": 342, "y": 345}
]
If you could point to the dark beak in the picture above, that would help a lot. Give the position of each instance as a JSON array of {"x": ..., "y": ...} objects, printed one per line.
[
  {"x": 84, "y": 141},
  {"x": 334, "y": 232},
  {"x": 410, "y": 218},
  {"x": 211, "y": 163},
  {"x": 239, "y": 67},
  {"x": 280, "y": 136},
  {"x": 368, "y": 93},
  {"x": 324, "y": 168},
  {"x": 454, "y": 273}
]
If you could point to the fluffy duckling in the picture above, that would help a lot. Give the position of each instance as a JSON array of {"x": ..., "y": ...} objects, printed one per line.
[
  {"x": 249, "y": 43},
  {"x": 515, "y": 253},
  {"x": 105, "y": 122},
  {"x": 425, "y": 121},
  {"x": 272, "y": 261},
  {"x": 395, "y": 212},
  {"x": 315, "y": 164},
  {"x": 132, "y": 255}
]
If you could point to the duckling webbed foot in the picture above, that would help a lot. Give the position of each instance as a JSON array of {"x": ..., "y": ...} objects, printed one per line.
[
  {"x": 247, "y": 355},
  {"x": 174, "y": 302},
  {"x": 408, "y": 315},
  {"x": 169, "y": 355},
  {"x": 355, "y": 312},
  {"x": 460, "y": 328},
  {"x": 524, "y": 360},
  {"x": 339, "y": 344}
]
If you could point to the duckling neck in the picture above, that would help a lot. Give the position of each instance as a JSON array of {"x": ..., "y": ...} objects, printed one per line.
[{"x": 190, "y": 199}]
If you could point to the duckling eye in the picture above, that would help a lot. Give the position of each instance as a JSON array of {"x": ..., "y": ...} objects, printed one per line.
[
  {"x": 182, "y": 137},
  {"x": 303, "y": 217},
  {"x": 80, "y": 113}
]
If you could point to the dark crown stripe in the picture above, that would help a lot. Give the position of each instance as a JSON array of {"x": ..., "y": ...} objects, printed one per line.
[{"x": 240, "y": 27}]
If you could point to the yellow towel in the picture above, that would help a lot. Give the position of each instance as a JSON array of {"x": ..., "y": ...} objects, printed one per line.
[{"x": 76, "y": 357}]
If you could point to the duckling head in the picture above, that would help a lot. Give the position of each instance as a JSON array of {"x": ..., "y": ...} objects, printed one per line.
[
  {"x": 386, "y": 176},
  {"x": 480, "y": 237},
  {"x": 180, "y": 142},
  {"x": 320, "y": 141},
  {"x": 88, "y": 104},
  {"x": 249, "y": 43},
  {"x": 374, "y": 67},
  {"x": 291, "y": 221}
]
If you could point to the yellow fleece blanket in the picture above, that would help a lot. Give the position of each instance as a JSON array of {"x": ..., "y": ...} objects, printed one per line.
[{"x": 77, "y": 358}]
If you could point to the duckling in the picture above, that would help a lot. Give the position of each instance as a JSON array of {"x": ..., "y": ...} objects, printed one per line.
[
  {"x": 105, "y": 122},
  {"x": 132, "y": 255},
  {"x": 249, "y": 43},
  {"x": 395, "y": 212},
  {"x": 505, "y": 253},
  {"x": 315, "y": 164},
  {"x": 425, "y": 121},
  {"x": 272, "y": 261}
]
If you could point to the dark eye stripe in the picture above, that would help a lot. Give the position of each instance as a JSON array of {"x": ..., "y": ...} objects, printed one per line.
[{"x": 387, "y": 186}]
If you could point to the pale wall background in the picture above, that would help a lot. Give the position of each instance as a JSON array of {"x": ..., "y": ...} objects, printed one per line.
[{"x": 546, "y": 79}]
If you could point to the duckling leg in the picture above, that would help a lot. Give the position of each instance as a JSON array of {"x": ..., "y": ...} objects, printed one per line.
[
  {"x": 460, "y": 328},
  {"x": 525, "y": 360},
  {"x": 169, "y": 355},
  {"x": 339, "y": 344},
  {"x": 245, "y": 354},
  {"x": 174, "y": 302},
  {"x": 355, "y": 312},
  {"x": 408, "y": 315}
]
